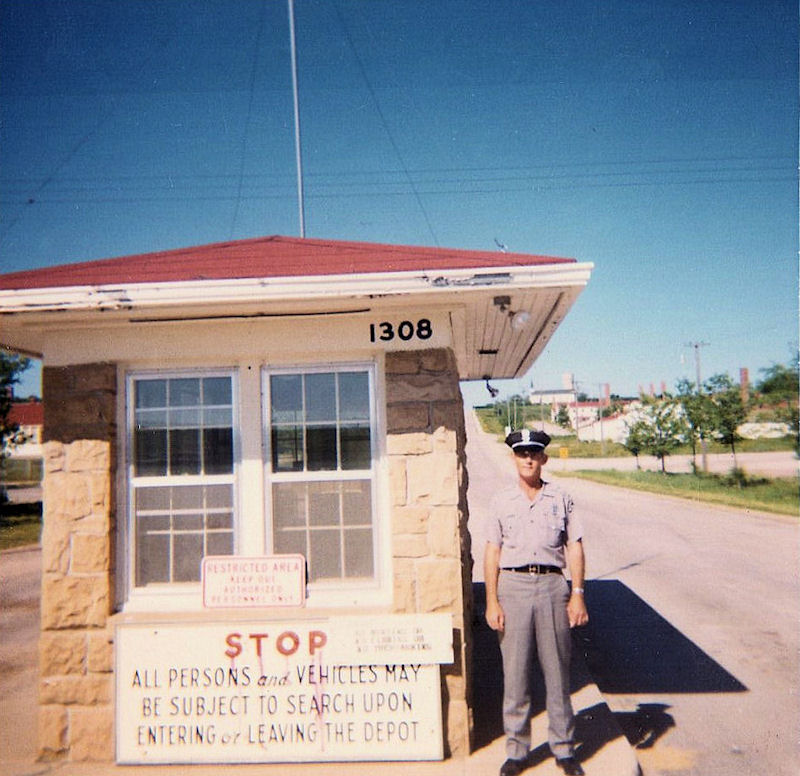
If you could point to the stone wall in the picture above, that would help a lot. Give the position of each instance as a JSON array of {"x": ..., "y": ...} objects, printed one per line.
[
  {"x": 430, "y": 542},
  {"x": 76, "y": 712}
]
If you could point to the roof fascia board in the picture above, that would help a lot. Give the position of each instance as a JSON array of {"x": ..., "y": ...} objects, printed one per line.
[{"x": 142, "y": 295}]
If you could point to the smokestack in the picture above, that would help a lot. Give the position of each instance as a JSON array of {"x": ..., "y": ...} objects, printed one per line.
[{"x": 744, "y": 384}]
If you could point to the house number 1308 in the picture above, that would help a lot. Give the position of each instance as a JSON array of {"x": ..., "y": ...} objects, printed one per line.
[{"x": 405, "y": 330}]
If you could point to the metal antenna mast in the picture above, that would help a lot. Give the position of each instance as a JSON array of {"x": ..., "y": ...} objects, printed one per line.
[{"x": 298, "y": 154}]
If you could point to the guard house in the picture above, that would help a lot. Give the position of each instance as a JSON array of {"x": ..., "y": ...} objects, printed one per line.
[{"x": 254, "y": 544}]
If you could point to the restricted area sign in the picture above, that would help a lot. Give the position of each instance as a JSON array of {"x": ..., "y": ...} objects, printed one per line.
[
  {"x": 236, "y": 581},
  {"x": 338, "y": 689}
]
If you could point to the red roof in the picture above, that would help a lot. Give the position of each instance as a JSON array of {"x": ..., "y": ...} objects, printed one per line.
[
  {"x": 273, "y": 256},
  {"x": 27, "y": 413}
]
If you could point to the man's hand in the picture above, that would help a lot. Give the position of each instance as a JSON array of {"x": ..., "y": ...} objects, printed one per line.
[
  {"x": 576, "y": 610},
  {"x": 495, "y": 616}
]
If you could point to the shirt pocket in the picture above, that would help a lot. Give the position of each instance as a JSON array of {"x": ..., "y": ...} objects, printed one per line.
[
  {"x": 509, "y": 525},
  {"x": 556, "y": 530}
]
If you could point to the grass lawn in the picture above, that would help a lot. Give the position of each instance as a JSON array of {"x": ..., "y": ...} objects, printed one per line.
[
  {"x": 778, "y": 495},
  {"x": 20, "y": 524}
]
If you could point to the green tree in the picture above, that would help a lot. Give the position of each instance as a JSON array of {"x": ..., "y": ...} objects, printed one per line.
[
  {"x": 697, "y": 411},
  {"x": 728, "y": 411},
  {"x": 562, "y": 417},
  {"x": 780, "y": 381},
  {"x": 11, "y": 368},
  {"x": 664, "y": 428},
  {"x": 636, "y": 439},
  {"x": 780, "y": 387}
]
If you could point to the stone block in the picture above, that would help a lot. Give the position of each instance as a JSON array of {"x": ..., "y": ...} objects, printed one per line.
[
  {"x": 443, "y": 535},
  {"x": 100, "y": 654},
  {"x": 85, "y": 455},
  {"x": 86, "y": 690},
  {"x": 409, "y": 546},
  {"x": 62, "y": 653},
  {"x": 398, "y": 485},
  {"x": 444, "y": 440},
  {"x": 54, "y": 457},
  {"x": 90, "y": 553},
  {"x": 404, "y": 596},
  {"x": 52, "y": 731},
  {"x": 417, "y": 443},
  {"x": 408, "y": 416},
  {"x": 438, "y": 585},
  {"x": 55, "y": 545},
  {"x": 410, "y": 520},
  {"x": 426, "y": 386},
  {"x": 91, "y": 734},
  {"x": 439, "y": 360},
  {"x": 403, "y": 362},
  {"x": 74, "y": 602},
  {"x": 448, "y": 415},
  {"x": 433, "y": 479},
  {"x": 458, "y": 728}
]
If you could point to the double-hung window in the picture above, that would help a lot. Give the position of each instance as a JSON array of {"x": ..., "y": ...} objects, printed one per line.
[
  {"x": 321, "y": 470},
  {"x": 182, "y": 473}
]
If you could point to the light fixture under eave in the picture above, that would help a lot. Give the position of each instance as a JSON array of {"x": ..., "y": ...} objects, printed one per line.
[{"x": 518, "y": 320}]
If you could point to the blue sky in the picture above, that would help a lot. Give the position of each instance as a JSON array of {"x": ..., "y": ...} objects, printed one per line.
[{"x": 655, "y": 138}]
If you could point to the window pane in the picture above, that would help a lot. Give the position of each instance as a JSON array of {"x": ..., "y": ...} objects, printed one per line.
[
  {"x": 150, "y": 452},
  {"x": 217, "y": 390},
  {"x": 152, "y": 556},
  {"x": 323, "y": 503},
  {"x": 188, "y": 551},
  {"x": 289, "y": 504},
  {"x": 220, "y": 543},
  {"x": 219, "y": 496},
  {"x": 184, "y": 392},
  {"x": 219, "y": 520},
  {"x": 353, "y": 396},
  {"x": 291, "y": 543},
  {"x": 321, "y": 448},
  {"x": 356, "y": 453},
  {"x": 217, "y": 450},
  {"x": 287, "y": 449},
  {"x": 184, "y": 451},
  {"x": 187, "y": 497},
  {"x": 184, "y": 418},
  {"x": 286, "y": 395},
  {"x": 150, "y": 393},
  {"x": 325, "y": 554},
  {"x": 187, "y": 523},
  {"x": 358, "y": 552},
  {"x": 151, "y": 418},
  {"x": 218, "y": 417},
  {"x": 320, "y": 397},
  {"x": 356, "y": 503}
]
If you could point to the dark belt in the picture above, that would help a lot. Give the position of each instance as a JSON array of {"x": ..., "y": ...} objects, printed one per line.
[{"x": 534, "y": 568}]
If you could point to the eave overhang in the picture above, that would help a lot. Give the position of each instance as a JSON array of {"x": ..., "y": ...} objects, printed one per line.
[{"x": 485, "y": 343}]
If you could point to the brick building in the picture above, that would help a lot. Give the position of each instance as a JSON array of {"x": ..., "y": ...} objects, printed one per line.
[{"x": 261, "y": 400}]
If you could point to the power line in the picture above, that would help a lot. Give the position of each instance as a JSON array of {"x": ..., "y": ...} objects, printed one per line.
[{"x": 385, "y": 123}]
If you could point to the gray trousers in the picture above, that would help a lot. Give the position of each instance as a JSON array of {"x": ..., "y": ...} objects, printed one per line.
[{"x": 535, "y": 608}]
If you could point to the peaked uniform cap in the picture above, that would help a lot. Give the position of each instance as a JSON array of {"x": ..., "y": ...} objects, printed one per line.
[{"x": 527, "y": 438}]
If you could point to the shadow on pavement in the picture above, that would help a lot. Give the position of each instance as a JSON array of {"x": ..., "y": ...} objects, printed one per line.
[{"x": 630, "y": 648}]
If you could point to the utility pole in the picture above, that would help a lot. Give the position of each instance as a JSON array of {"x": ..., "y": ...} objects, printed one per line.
[{"x": 703, "y": 444}]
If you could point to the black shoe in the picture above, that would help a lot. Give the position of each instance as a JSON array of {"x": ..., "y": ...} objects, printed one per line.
[
  {"x": 512, "y": 767},
  {"x": 570, "y": 766}
]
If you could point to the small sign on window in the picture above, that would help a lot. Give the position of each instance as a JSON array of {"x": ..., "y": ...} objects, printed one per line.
[{"x": 270, "y": 580}]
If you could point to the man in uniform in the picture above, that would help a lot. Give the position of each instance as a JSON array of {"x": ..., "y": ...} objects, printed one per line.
[{"x": 532, "y": 535}]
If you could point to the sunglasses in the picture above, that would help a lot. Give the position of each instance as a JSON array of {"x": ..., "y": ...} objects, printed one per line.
[{"x": 527, "y": 452}]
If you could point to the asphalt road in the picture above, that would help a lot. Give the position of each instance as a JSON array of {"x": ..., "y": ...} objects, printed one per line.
[{"x": 693, "y": 638}]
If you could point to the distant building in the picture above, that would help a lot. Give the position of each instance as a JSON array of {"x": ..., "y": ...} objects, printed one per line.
[{"x": 29, "y": 416}]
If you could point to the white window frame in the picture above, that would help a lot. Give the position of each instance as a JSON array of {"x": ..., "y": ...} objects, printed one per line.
[
  {"x": 172, "y": 595},
  {"x": 342, "y": 593}
]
